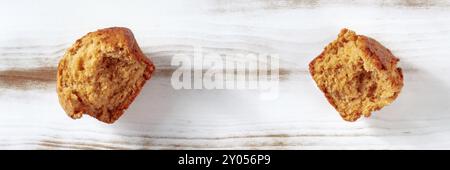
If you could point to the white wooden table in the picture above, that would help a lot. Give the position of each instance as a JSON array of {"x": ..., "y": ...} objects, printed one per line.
[{"x": 35, "y": 34}]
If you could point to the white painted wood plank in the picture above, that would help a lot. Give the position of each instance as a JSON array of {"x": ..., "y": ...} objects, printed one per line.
[{"x": 163, "y": 118}]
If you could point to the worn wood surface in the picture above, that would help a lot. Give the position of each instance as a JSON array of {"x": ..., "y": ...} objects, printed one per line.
[{"x": 35, "y": 34}]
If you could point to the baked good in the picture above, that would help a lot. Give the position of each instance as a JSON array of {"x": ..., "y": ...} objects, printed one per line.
[
  {"x": 101, "y": 74},
  {"x": 357, "y": 74}
]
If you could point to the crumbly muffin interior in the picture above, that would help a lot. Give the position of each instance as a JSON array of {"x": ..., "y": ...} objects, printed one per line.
[
  {"x": 351, "y": 80},
  {"x": 99, "y": 81}
]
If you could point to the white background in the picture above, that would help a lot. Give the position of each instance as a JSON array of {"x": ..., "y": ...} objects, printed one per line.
[{"x": 35, "y": 34}]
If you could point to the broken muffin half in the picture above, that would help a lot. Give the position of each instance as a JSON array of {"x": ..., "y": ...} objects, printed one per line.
[
  {"x": 101, "y": 74},
  {"x": 357, "y": 74}
]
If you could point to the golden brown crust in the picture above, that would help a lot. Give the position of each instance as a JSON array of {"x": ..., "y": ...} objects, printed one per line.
[
  {"x": 381, "y": 58},
  {"x": 384, "y": 58},
  {"x": 116, "y": 41}
]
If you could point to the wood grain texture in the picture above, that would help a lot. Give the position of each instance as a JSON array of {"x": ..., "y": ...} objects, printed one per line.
[{"x": 418, "y": 32}]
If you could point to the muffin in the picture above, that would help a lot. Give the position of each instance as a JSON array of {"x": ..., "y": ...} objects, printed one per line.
[
  {"x": 357, "y": 74},
  {"x": 101, "y": 74}
]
